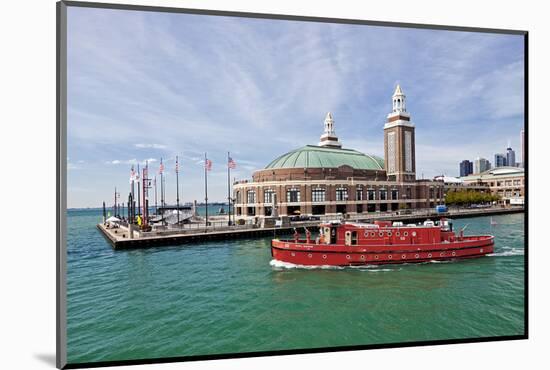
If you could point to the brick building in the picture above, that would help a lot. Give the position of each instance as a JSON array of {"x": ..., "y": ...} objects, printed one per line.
[{"x": 326, "y": 179}]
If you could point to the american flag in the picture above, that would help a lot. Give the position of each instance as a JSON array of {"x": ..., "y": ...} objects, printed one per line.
[
  {"x": 231, "y": 163},
  {"x": 161, "y": 167},
  {"x": 208, "y": 164},
  {"x": 177, "y": 165}
]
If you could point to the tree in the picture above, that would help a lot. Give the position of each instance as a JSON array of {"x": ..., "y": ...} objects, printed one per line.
[{"x": 466, "y": 197}]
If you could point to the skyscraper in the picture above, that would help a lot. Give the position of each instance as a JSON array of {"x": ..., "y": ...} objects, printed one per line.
[
  {"x": 510, "y": 157},
  {"x": 481, "y": 165},
  {"x": 466, "y": 168},
  {"x": 500, "y": 160},
  {"x": 522, "y": 149}
]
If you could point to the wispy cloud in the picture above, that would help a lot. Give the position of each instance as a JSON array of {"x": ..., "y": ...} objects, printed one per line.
[
  {"x": 131, "y": 161},
  {"x": 150, "y": 146},
  {"x": 142, "y": 84}
]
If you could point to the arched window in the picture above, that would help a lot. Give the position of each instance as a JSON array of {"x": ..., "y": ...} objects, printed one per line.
[
  {"x": 318, "y": 195},
  {"x": 251, "y": 196},
  {"x": 268, "y": 195}
]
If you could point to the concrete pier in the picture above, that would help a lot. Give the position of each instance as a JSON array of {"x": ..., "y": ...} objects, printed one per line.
[{"x": 120, "y": 237}]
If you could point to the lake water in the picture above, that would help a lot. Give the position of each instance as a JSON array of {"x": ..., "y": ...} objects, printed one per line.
[{"x": 227, "y": 297}]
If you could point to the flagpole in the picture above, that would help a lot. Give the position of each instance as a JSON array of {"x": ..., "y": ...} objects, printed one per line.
[
  {"x": 138, "y": 194},
  {"x": 143, "y": 213},
  {"x": 206, "y": 189},
  {"x": 156, "y": 205},
  {"x": 145, "y": 193},
  {"x": 132, "y": 190},
  {"x": 162, "y": 200},
  {"x": 228, "y": 190},
  {"x": 177, "y": 190}
]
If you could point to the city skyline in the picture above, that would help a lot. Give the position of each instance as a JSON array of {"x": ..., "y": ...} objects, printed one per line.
[
  {"x": 142, "y": 86},
  {"x": 501, "y": 159}
]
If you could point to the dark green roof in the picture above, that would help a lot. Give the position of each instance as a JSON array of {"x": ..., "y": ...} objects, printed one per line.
[{"x": 311, "y": 156}]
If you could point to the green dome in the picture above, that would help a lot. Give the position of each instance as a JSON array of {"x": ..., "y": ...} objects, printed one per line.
[{"x": 311, "y": 156}]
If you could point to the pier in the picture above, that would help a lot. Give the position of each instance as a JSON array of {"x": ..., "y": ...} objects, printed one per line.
[{"x": 119, "y": 237}]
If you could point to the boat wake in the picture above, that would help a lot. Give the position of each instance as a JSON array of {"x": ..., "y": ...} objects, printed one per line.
[
  {"x": 508, "y": 252},
  {"x": 280, "y": 265}
]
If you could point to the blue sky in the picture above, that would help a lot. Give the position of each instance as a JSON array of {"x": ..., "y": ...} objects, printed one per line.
[{"x": 145, "y": 85}]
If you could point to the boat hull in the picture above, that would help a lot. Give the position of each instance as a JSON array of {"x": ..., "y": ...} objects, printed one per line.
[{"x": 310, "y": 254}]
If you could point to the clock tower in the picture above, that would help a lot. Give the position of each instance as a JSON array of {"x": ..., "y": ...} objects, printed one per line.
[{"x": 399, "y": 147}]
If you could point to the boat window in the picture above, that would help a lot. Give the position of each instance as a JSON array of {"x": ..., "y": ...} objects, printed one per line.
[
  {"x": 354, "y": 238},
  {"x": 389, "y": 233},
  {"x": 372, "y": 234},
  {"x": 397, "y": 233},
  {"x": 332, "y": 235},
  {"x": 406, "y": 233},
  {"x": 380, "y": 234}
]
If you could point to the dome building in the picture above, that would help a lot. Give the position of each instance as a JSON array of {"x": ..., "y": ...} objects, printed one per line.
[{"x": 328, "y": 179}]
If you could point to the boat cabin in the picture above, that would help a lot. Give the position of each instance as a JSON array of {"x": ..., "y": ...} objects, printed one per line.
[{"x": 386, "y": 233}]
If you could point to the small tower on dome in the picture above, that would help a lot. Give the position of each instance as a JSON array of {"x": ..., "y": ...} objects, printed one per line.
[{"x": 329, "y": 138}]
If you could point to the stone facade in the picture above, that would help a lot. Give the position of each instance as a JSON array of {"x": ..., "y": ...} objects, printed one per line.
[{"x": 506, "y": 182}]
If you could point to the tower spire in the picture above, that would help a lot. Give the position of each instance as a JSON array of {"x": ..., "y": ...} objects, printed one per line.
[
  {"x": 398, "y": 99},
  {"x": 329, "y": 138}
]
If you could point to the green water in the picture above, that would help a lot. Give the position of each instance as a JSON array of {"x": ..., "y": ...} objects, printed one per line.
[{"x": 226, "y": 297}]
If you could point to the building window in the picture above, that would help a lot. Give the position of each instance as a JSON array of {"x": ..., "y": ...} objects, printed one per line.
[
  {"x": 431, "y": 193},
  {"x": 394, "y": 194},
  {"x": 318, "y": 195},
  {"x": 341, "y": 194},
  {"x": 359, "y": 194},
  {"x": 268, "y": 196},
  {"x": 371, "y": 194},
  {"x": 516, "y": 182},
  {"x": 408, "y": 151},
  {"x": 383, "y": 194},
  {"x": 292, "y": 195},
  {"x": 408, "y": 193},
  {"x": 391, "y": 152},
  {"x": 251, "y": 196},
  {"x": 238, "y": 197}
]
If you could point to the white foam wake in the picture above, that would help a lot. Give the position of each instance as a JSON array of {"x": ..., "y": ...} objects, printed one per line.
[
  {"x": 508, "y": 253},
  {"x": 287, "y": 265}
]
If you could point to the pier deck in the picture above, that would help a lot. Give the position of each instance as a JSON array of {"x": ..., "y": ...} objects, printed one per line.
[{"x": 119, "y": 237}]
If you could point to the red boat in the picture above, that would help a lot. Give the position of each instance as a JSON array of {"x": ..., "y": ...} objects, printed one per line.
[{"x": 384, "y": 242}]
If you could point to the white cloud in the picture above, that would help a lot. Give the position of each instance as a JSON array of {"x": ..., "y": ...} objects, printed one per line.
[
  {"x": 131, "y": 161},
  {"x": 150, "y": 146}
]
